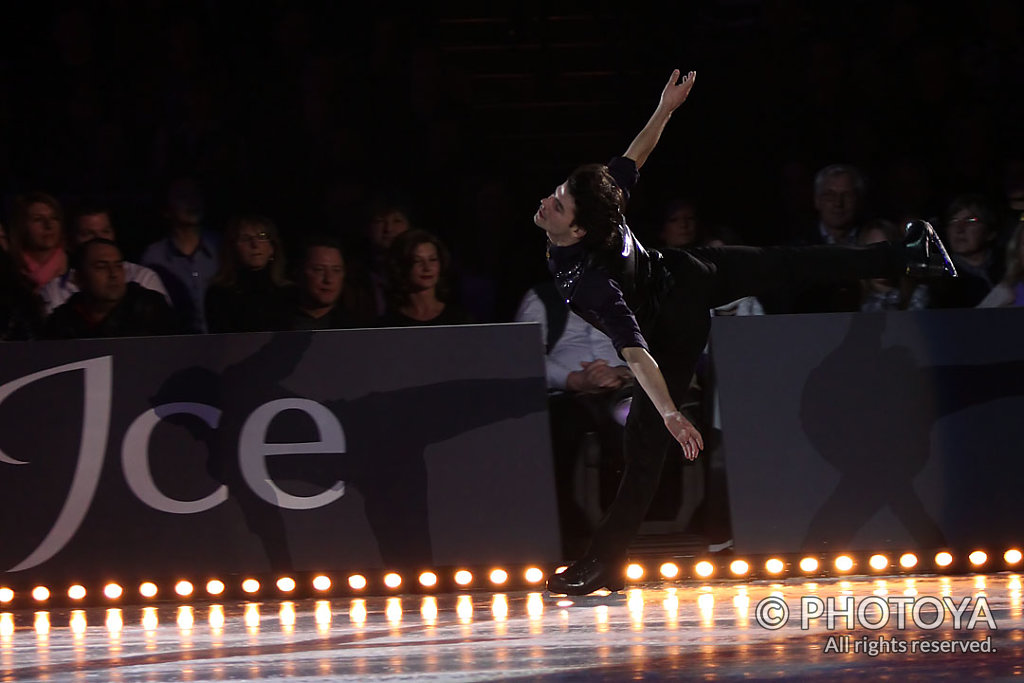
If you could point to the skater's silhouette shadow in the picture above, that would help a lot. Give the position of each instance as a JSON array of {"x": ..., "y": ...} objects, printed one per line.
[
  {"x": 386, "y": 435},
  {"x": 869, "y": 410}
]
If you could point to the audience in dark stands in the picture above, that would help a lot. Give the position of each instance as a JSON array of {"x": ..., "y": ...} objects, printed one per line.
[
  {"x": 970, "y": 229},
  {"x": 186, "y": 258},
  {"x": 106, "y": 305},
  {"x": 321, "y": 281},
  {"x": 37, "y": 238},
  {"x": 250, "y": 292},
  {"x": 90, "y": 222},
  {"x": 418, "y": 286}
]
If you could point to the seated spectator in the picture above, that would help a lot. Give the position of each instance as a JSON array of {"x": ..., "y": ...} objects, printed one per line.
[
  {"x": 680, "y": 226},
  {"x": 881, "y": 294},
  {"x": 418, "y": 283},
  {"x": 106, "y": 305},
  {"x": 21, "y": 309},
  {"x": 92, "y": 222},
  {"x": 250, "y": 293},
  {"x": 589, "y": 389},
  {"x": 186, "y": 259},
  {"x": 37, "y": 238},
  {"x": 839, "y": 197},
  {"x": 366, "y": 274},
  {"x": 1010, "y": 291},
  {"x": 970, "y": 225},
  {"x": 321, "y": 281}
]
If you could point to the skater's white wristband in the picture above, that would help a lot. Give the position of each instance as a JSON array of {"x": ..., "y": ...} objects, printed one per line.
[{"x": 669, "y": 414}]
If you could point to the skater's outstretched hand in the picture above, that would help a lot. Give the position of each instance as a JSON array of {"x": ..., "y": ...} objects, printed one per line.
[
  {"x": 673, "y": 95},
  {"x": 685, "y": 433},
  {"x": 676, "y": 91}
]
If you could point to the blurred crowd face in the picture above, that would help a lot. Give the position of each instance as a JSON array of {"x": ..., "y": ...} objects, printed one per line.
[
  {"x": 324, "y": 276},
  {"x": 102, "y": 273},
  {"x": 837, "y": 203},
  {"x": 185, "y": 204},
  {"x": 93, "y": 225},
  {"x": 968, "y": 235},
  {"x": 385, "y": 227},
  {"x": 43, "y": 227},
  {"x": 680, "y": 229},
  {"x": 874, "y": 236},
  {"x": 426, "y": 267},
  {"x": 255, "y": 250}
]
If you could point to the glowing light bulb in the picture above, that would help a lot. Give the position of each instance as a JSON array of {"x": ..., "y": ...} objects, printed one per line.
[
  {"x": 739, "y": 567},
  {"x": 809, "y": 564},
  {"x": 878, "y": 562}
]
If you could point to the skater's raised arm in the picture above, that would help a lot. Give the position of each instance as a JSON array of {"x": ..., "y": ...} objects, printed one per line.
[
  {"x": 672, "y": 96},
  {"x": 648, "y": 374}
]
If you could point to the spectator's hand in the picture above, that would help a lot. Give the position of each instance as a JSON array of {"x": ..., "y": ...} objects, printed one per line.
[
  {"x": 603, "y": 376},
  {"x": 685, "y": 433},
  {"x": 674, "y": 93}
]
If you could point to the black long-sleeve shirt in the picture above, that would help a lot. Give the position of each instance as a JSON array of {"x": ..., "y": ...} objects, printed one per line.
[{"x": 596, "y": 293}]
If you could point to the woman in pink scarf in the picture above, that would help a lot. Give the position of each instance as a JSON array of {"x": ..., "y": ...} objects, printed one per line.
[{"x": 37, "y": 238}]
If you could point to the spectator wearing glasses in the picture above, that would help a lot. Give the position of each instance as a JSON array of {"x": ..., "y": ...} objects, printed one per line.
[
  {"x": 971, "y": 228},
  {"x": 250, "y": 293}
]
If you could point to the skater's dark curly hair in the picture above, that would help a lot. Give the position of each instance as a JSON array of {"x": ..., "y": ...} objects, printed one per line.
[{"x": 599, "y": 201}]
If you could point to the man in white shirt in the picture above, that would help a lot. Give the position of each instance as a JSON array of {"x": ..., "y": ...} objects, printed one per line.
[
  {"x": 589, "y": 390},
  {"x": 90, "y": 223}
]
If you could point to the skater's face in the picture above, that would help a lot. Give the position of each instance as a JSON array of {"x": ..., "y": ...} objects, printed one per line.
[
  {"x": 837, "y": 202},
  {"x": 556, "y": 216}
]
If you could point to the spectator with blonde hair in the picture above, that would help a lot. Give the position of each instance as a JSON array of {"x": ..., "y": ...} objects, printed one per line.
[
  {"x": 37, "y": 238},
  {"x": 250, "y": 293}
]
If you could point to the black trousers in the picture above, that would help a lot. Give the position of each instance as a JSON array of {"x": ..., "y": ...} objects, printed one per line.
[{"x": 705, "y": 278}]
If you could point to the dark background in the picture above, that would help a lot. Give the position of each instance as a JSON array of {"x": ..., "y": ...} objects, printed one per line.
[{"x": 473, "y": 111}]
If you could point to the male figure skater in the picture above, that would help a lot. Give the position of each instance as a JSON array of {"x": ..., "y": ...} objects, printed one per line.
[{"x": 655, "y": 307}]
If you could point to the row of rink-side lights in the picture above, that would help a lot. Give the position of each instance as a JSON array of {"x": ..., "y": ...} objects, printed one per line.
[
  {"x": 286, "y": 585},
  {"x": 532, "y": 576},
  {"x": 841, "y": 564}
]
